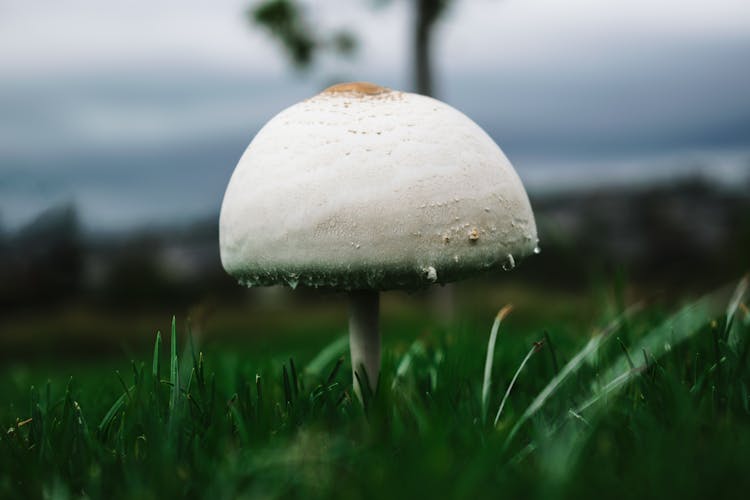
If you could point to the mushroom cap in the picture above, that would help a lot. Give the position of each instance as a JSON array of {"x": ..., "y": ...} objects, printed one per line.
[{"x": 363, "y": 187}]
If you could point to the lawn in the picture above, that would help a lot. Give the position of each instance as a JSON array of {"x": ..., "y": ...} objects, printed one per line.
[{"x": 637, "y": 401}]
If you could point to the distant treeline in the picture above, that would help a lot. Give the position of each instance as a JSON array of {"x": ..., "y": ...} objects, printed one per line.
[{"x": 688, "y": 234}]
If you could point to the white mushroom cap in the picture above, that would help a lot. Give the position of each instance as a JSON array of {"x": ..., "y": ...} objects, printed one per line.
[{"x": 363, "y": 187}]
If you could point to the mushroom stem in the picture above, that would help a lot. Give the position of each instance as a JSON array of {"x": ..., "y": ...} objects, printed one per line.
[{"x": 364, "y": 337}]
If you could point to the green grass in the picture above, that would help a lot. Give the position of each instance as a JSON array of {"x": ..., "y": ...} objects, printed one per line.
[{"x": 651, "y": 404}]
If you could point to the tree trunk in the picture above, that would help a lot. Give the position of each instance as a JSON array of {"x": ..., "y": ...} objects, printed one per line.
[{"x": 426, "y": 13}]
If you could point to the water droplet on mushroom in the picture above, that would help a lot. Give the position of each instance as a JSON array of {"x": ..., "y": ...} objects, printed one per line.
[
  {"x": 431, "y": 274},
  {"x": 292, "y": 280},
  {"x": 537, "y": 250},
  {"x": 509, "y": 263}
]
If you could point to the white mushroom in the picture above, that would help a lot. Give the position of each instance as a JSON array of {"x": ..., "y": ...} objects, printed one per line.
[{"x": 362, "y": 188}]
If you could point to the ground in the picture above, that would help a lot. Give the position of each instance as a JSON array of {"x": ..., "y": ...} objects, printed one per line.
[{"x": 631, "y": 400}]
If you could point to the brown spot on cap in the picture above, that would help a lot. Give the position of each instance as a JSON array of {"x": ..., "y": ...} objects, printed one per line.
[{"x": 364, "y": 88}]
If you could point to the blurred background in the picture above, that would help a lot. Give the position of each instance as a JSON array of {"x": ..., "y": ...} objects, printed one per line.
[{"x": 121, "y": 123}]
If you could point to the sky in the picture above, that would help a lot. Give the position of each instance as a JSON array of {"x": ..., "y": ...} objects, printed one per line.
[{"x": 137, "y": 111}]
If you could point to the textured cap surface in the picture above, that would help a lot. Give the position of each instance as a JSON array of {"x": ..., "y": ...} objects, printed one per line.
[{"x": 362, "y": 187}]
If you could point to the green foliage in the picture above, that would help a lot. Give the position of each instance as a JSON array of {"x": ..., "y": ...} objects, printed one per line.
[
  {"x": 664, "y": 412},
  {"x": 285, "y": 21}
]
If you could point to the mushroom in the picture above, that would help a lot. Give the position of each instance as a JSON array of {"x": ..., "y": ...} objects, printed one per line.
[{"x": 362, "y": 189}]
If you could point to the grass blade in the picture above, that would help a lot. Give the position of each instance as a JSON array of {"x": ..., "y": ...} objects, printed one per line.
[
  {"x": 676, "y": 329},
  {"x": 416, "y": 349},
  {"x": 363, "y": 380},
  {"x": 328, "y": 355},
  {"x": 174, "y": 371},
  {"x": 679, "y": 327},
  {"x": 287, "y": 387},
  {"x": 335, "y": 371},
  {"x": 156, "y": 363},
  {"x": 294, "y": 379},
  {"x": 731, "y": 333},
  {"x": 536, "y": 348},
  {"x": 551, "y": 349},
  {"x": 626, "y": 353},
  {"x": 109, "y": 417},
  {"x": 122, "y": 383},
  {"x": 571, "y": 367},
  {"x": 612, "y": 387},
  {"x": 486, "y": 383}
]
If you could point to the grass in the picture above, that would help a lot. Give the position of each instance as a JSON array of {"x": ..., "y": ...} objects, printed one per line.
[{"x": 651, "y": 404}]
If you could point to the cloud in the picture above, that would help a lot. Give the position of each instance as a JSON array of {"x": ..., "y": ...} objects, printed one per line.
[
  {"x": 47, "y": 36},
  {"x": 95, "y": 94}
]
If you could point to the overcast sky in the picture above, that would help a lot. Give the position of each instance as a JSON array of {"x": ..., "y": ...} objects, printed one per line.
[
  {"x": 49, "y": 37},
  {"x": 563, "y": 84}
]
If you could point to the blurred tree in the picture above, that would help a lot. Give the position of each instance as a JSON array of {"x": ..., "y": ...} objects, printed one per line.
[
  {"x": 285, "y": 20},
  {"x": 43, "y": 262},
  {"x": 426, "y": 16}
]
